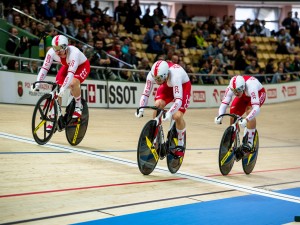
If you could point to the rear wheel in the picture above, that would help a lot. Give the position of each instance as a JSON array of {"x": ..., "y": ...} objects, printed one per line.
[
  {"x": 174, "y": 162},
  {"x": 76, "y": 128},
  {"x": 41, "y": 119},
  {"x": 147, "y": 156},
  {"x": 249, "y": 160},
  {"x": 226, "y": 151}
]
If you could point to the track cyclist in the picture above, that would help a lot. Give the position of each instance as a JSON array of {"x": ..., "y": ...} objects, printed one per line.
[
  {"x": 174, "y": 86},
  {"x": 74, "y": 70},
  {"x": 249, "y": 95}
]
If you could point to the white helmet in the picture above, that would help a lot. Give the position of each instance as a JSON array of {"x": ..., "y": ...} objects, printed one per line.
[
  {"x": 160, "y": 70},
  {"x": 60, "y": 42},
  {"x": 237, "y": 84}
]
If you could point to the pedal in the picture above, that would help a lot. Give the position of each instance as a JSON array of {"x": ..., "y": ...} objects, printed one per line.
[{"x": 239, "y": 154}]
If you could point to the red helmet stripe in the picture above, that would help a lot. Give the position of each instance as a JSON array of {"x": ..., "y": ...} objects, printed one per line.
[
  {"x": 234, "y": 82},
  {"x": 56, "y": 40},
  {"x": 156, "y": 68}
]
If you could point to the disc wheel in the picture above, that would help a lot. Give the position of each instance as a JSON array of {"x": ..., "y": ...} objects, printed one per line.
[
  {"x": 76, "y": 128},
  {"x": 174, "y": 162},
  {"x": 226, "y": 152},
  {"x": 41, "y": 119},
  {"x": 249, "y": 160},
  {"x": 147, "y": 156}
]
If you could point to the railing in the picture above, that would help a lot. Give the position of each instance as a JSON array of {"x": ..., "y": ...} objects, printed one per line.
[{"x": 122, "y": 74}]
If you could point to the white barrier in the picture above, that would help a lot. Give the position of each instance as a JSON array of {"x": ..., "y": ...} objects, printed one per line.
[{"x": 15, "y": 89}]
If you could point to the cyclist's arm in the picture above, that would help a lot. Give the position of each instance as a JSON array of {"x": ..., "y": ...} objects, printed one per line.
[
  {"x": 73, "y": 65},
  {"x": 147, "y": 90},
  {"x": 177, "y": 92},
  {"x": 254, "y": 103},
  {"x": 46, "y": 65},
  {"x": 226, "y": 101}
]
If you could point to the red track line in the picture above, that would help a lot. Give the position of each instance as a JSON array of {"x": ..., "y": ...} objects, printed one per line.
[
  {"x": 133, "y": 183},
  {"x": 91, "y": 187}
]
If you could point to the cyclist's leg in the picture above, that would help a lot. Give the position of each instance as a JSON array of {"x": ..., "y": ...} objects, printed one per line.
[{"x": 81, "y": 74}]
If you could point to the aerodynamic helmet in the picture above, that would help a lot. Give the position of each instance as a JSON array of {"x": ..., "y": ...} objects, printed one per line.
[
  {"x": 160, "y": 70},
  {"x": 59, "y": 42},
  {"x": 237, "y": 84}
]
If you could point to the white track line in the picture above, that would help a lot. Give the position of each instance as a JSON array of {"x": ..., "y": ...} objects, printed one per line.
[{"x": 198, "y": 178}]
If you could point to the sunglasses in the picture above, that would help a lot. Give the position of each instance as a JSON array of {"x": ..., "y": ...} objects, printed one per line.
[
  {"x": 236, "y": 91},
  {"x": 158, "y": 79},
  {"x": 58, "y": 48}
]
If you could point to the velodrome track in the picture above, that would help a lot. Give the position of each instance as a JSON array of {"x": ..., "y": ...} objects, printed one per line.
[{"x": 99, "y": 180}]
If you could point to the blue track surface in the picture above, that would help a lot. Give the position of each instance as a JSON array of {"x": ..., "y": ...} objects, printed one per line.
[{"x": 246, "y": 210}]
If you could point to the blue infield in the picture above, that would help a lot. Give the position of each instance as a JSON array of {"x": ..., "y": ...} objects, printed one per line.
[{"x": 245, "y": 210}]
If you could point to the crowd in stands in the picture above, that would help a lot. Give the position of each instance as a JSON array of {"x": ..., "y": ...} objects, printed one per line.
[{"x": 130, "y": 38}]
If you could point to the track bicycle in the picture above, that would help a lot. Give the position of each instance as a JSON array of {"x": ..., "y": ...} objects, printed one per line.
[
  {"x": 232, "y": 150},
  {"x": 153, "y": 146},
  {"x": 48, "y": 110}
]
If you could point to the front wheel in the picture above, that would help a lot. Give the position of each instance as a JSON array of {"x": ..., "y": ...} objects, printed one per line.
[
  {"x": 76, "y": 128},
  {"x": 249, "y": 160},
  {"x": 174, "y": 162},
  {"x": 147, "y": 156},
  {"x": 42, "y": 118},
  {"x": 226, "y": 151}
]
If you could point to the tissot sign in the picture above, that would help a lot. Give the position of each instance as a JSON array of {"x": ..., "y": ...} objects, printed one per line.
[{"x": 15, "y": 88}]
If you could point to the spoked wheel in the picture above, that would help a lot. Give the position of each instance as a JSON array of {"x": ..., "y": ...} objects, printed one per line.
[
  {"x": 76, "y": 128},
  {"x": 226, "y": 152},
  {"x": 41, "y": 119},
  {"x": 147, "y": 156},
  {"x": 174, "y": 162},
  {"x": 249, "y": 160}
]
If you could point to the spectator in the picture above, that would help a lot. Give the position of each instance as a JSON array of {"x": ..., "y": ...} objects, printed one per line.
[
  {"x": 147, "y": 20},
  {"x": 182, "y": 14},
  {"x": 132, "y": 23},
  {"x": 287, "y": 22},
  {"x": 283, "y": 35},
  {"x": 167, "y": 29},
  {"x": 190, "y": 71},
  {"x": 225, "y": 32},
  {"x": 255, "y": 28},
  {"x": 282, "y": 48},
  {"x": 155, "y": 46},
  {"x": 270, "y": 70},
  {"x": 14, "y": 44},
  {"x": 240, "y": 60},
  {"x": 64, "y": 27},
  {"x": 296, "y": 18},
  {"x": 265, "y": 32},
  {"x": 212, "y": 50},
  {"x": 120, "y": 12},
  {"x": 46, "y": 40},
  {"x": 191, "y": 41},
  {"x": 294, "y": 32},
  {"x": 200, "y": 39},
  {"x": 291, "y": 47},
  {"x": 50, "y": 8},
  {"x": 131, "y": 59},
  {"x": 160, "y": 12},
  {"x": 150, "y": 34},
  {"x": 13, "y": 64},
  {"x": 247, "y": 26},
  {"x": 276, "y": 78},
  {"x": 206, "y": 68},
  {"x": 144, "y": 65}
]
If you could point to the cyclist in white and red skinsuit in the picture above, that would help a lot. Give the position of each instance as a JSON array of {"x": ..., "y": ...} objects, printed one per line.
[
  {"x": 174, "y": 86},
  {"x": 75, "y": 69},
  {"x": 250, "y": 96}
]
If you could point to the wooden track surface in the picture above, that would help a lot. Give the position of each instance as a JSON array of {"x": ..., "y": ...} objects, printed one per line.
[{"x": 61, "y": 184}]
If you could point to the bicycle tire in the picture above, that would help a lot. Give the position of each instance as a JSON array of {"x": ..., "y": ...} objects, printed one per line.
[
  {"x": 147, "y": 156},
  {"x": 249, "y": 160},
  {"x": 226, "y": 152},
  {"x": 174, "y": 162},
  {"x": 40, "y": 119},
  {"x": 76, "y": 128}
]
